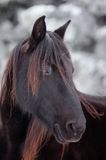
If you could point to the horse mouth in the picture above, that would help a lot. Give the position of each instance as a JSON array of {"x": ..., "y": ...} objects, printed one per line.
[{"x": 60, "y": 138}]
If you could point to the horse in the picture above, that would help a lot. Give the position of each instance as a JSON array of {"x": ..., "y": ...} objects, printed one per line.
[{"x": 42, "y": 114}]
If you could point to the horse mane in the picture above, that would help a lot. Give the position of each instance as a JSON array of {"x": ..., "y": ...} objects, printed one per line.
[
  {"x": 38, "y": 134},
  {"x": 90, "y": 108},
  {"x": 8, "y": 82}
]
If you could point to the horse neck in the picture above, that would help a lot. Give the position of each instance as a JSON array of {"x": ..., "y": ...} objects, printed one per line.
[{"x": 98, "y": 102}]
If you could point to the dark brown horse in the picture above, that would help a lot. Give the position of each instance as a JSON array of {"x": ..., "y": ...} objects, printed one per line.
[{"x": 42, "y": 113}]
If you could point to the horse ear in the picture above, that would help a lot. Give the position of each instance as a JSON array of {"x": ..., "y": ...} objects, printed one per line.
[
  {"x": 39, "y": 29},
  {"x": 61, "y": 30}
]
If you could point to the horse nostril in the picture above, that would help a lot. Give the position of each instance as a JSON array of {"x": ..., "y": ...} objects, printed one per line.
[
  {"x": 73, "y": 128},
  {"x": 70, "y": 126}
]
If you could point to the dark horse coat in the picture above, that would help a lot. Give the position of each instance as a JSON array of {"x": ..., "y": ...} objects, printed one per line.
[{"x": 42, "y": 115}]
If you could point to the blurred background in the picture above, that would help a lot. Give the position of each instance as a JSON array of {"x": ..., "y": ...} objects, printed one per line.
[{"x": 85, "y": 37}]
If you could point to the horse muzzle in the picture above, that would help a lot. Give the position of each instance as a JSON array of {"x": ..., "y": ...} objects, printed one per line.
[{"x": 71, "y": 133}]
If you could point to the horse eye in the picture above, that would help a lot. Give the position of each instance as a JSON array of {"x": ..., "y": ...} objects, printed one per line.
[{"x": 47, "y": 70}]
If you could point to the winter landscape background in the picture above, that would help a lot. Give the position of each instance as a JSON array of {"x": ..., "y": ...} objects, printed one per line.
[{"x": 85, "y": 37}]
